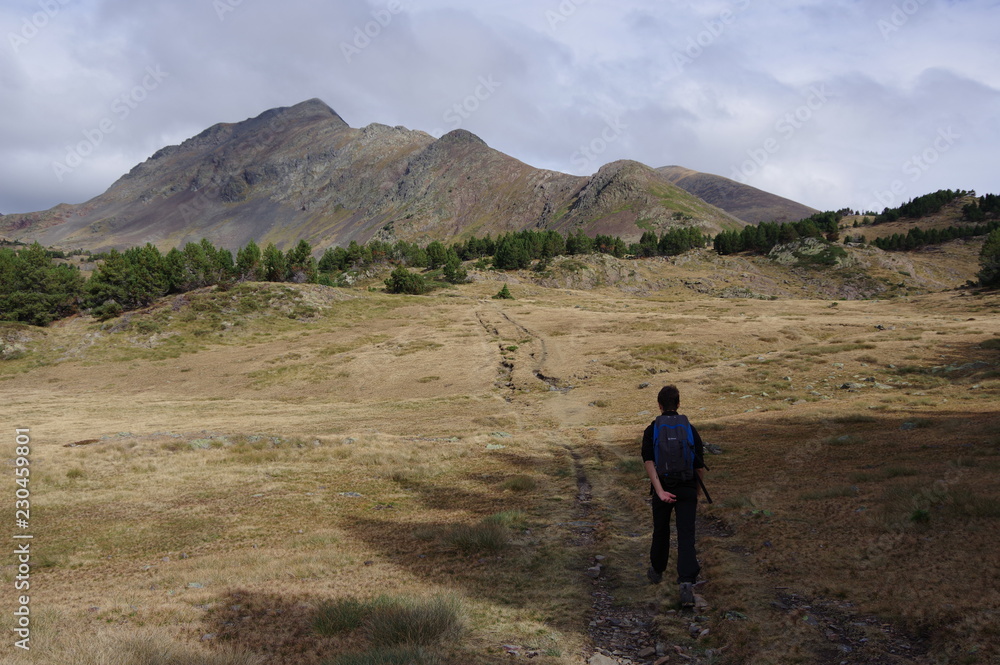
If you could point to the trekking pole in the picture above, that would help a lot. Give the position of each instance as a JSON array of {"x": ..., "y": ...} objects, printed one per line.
[{"x": 708, "y": 497}]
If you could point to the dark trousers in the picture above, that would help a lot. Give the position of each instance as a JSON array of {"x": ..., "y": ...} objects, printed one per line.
[{"x": 686, "y": 507}]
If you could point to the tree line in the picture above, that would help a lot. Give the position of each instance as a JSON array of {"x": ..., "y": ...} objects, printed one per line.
[
  {"x": 916, "y": 238},
  {"x": 986, "y": 207},
  {"x": 763, "y": 237},
  {"x": 921, "y": 206},
  {"x": 37, "y": 289}
]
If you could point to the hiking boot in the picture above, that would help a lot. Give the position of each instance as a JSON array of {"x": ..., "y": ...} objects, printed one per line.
[
  {"x": 654, "y": 577},
  {"x": 687, "y": 594}
]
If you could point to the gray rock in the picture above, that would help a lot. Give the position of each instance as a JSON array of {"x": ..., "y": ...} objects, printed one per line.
[{"x": 601, "y": 659}]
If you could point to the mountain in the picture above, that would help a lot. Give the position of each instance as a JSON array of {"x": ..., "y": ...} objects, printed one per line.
[
  {"x": 748, "y": 203},
  {"x": 301, "y": 172}
]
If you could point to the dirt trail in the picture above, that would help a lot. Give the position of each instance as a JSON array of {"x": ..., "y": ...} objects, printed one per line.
[
  {"x": 523, "y": 353},
  {"x": 615, "y": 630}
]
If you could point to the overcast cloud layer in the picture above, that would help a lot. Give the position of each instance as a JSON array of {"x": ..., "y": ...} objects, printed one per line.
[{"x": 841, "y": 103}]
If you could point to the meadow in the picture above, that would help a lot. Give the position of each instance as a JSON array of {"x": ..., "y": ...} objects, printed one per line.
[{"x": 311, "y": 475}]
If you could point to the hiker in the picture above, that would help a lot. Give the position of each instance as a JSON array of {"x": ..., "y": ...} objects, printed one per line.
[{"x": 674, "y": 489}]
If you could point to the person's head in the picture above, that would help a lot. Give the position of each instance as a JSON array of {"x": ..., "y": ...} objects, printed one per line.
[{"x": 669, "y": 398}]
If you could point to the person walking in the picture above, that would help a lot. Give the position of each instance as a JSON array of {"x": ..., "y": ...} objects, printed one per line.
[{"x": 673, "y": 455}]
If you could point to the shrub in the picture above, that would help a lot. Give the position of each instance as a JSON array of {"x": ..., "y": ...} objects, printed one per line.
[
  {"x": 403, "y": 281},
  {"x": 503, "y": 294}
]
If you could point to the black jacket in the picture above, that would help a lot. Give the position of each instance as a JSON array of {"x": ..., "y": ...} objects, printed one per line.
[{"x": 649, "y": 454}]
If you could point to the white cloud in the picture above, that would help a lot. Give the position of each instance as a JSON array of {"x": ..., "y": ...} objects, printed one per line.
[{"x": 701, "y": 84}]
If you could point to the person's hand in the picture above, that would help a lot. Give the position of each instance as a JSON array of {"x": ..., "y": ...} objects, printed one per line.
[{"x": 666, "y": 497}]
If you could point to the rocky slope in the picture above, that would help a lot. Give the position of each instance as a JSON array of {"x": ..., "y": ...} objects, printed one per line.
[
  {"x": 302, "y": 172},
  {"x": 748, "y": 203}
]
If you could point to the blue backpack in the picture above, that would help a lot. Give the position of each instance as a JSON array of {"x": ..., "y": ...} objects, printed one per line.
[{"x": 674, "y": 447}]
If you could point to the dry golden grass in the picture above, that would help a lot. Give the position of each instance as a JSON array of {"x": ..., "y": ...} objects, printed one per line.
[{"x": 429, "y": 447}]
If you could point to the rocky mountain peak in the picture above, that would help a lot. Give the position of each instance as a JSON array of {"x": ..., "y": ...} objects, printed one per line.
[{"x": 312, "y": 108}]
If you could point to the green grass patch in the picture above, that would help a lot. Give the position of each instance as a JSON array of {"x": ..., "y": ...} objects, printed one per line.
[
  {"x": 397, "y": 629},
  {"x": 393, "y": 622},
  {"x": 482, "y": 538},
  {"x": 632, "y": 466},
  {"x": 738, "y": 502},
  {"x": 416, "y": 346},
  {"x": 510, "y": 519},
  {"x": 519, "y": 483},
  {"x": 340, "y": 616}
]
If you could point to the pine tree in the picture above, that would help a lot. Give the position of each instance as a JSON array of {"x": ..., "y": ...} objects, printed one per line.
[
  {"x": 454, "y": 271},
  {"x": 437, "y": 255},
  {"x": 300, "y": 264},
  {"x": 35, "y": 290},
  {"x": 503, "y": 294},
  {"x": 273, "y": 264},
  {"x": 989, "y": 260},
  {"x": 248, "y": 263}
]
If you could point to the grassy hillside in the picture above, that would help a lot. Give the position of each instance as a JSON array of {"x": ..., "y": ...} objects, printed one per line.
[{"x": 294, "y": 474}]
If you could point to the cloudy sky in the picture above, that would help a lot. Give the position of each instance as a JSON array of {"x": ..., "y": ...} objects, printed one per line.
[{"x": 833, "y": 103}]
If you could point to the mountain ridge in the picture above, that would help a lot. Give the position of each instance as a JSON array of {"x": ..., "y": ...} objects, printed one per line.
[
  {"x": 748, "y": 203},
  {"x": 301, "y": 172}
]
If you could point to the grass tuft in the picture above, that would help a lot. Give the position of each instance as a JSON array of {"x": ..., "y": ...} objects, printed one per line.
[
  {"x": 394, "y": 622},
  {"x": 520, "y": 483},
  {"x": 340, "y": 616},
  {"x": 511, "y": 519},
  {"x": 485, "y": 537}
]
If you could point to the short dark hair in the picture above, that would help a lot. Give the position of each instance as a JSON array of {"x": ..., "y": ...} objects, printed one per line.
[{"x": 669, "y": 398}]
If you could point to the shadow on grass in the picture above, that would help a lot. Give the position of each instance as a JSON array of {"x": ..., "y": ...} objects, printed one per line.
[{"x": 276, "y": 626}]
